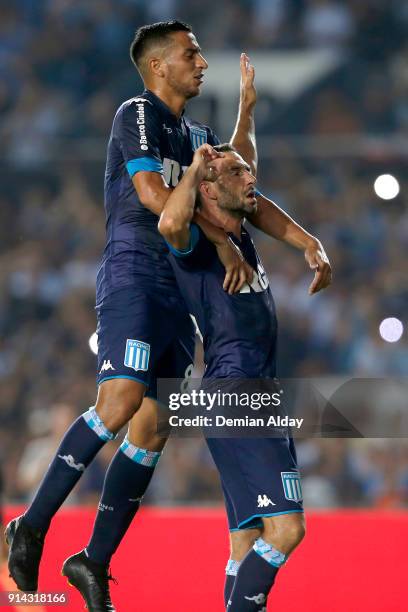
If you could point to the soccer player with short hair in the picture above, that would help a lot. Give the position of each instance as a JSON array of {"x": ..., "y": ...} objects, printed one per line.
[
  {"x": 260, "y": 479},
  {"x": 144, "y": 330}
]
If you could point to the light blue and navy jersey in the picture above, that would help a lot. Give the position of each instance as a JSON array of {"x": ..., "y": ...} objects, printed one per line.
[
  {"x": 239, "y": 331},
  {"x": 145, "y": 136}
]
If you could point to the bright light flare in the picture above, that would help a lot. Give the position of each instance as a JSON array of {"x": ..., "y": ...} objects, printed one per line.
[
  {"x": 93, "y": 343},
  {"x": 386, "y": 186},
  {"x": 391, "y": 329}
]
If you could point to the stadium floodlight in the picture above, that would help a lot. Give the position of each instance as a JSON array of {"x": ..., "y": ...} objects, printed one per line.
[
  {"x": 386, "y": 186},
  {"x": 93, "y": 343},
  {"x": 391, "y": 329}
]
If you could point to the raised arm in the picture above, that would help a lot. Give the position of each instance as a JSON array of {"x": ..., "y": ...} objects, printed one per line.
[
  {"x": 179, "y": 209},
  {"x": 243, "y": 137},
  {"x": 273, "y": 221}
]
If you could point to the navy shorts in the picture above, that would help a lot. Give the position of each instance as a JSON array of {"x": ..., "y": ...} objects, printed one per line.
[
  {"x": 259, "y": 478},
  {"x": 144, "y": 336}
]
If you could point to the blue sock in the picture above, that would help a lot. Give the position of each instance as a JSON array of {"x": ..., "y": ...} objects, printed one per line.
[
  {"x": 230, "y": 574},
  {"x": 81, "y": 443},
  {"x": 255, "y": 578},
  {"x": 126, "y": 481}
]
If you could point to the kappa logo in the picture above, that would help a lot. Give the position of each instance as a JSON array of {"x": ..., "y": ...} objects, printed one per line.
[
  {"x": 167, "y": 129},
  {"x": 106, "y": 366},
  {"x": 70, "y": 461},
  {"x": 258, "y": 599},
  {"x": 264, "y": 502}
]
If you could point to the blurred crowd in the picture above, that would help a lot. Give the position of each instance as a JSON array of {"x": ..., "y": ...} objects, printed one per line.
[
  {"x": 64, "y": 64},
  {"x": 63, "y": 69}
]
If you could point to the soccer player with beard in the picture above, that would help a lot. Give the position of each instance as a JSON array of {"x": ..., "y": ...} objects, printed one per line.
[{"x": 259, "y": 476}]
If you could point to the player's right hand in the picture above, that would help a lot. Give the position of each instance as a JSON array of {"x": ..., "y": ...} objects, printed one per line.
[
  {"x": 237, "y": 271},
  {"x": 202, "y": 159}
]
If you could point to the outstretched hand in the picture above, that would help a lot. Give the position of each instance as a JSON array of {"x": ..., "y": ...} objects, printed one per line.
[
  {"x": 317, "y": 259},
  {"x": 247, "y": 87}
]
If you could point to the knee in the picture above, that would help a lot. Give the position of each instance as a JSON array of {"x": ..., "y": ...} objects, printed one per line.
[
  {"x": 116, "y": 405},
  {"x": 144, "y": 430},
  {"x": 294, "y": 534},
  {"x": 121, "y": 412},
  {"x": 285, "y": 535},
  {"x": 242, "y": 542}
]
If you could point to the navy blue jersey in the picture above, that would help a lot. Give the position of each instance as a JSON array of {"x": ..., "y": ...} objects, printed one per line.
[
  {"x": 145, "y": 136},
  {"x": 239, "y": 331}
]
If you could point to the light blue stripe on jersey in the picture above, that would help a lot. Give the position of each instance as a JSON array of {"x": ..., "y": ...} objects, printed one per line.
[
  {"x": 149, "y": 164},
  {"x": 194, "y": 236}
]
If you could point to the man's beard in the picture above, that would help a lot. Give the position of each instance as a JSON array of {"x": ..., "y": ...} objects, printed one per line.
[{"x": 231, "y": 204}]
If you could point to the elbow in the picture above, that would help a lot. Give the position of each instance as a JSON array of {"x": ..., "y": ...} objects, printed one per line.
[
  {"x": 165, "y": 225},
  {"x": 168, "y": 227}
]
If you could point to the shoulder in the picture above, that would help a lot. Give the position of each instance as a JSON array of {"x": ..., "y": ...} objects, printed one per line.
[{"x": 139, "y": 105}]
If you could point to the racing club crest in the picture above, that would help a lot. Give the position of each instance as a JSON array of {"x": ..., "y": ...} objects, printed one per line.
[
  {"x": 291, "y": 486},
  {"x": 137, "y": 355},
  {"x": 198, "y": 137}
]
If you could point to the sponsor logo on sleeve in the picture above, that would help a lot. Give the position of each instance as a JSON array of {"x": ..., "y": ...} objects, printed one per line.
[{"x": 141, "y": 122}]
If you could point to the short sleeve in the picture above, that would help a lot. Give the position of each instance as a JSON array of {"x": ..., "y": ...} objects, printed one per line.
[
  {"x": 194, "y": 239},
  {"x": 197, "y": 255},
  {"x": 138, "y": 130}
]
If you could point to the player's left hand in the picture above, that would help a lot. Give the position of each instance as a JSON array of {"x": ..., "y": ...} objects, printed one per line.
[
  {"x": 317, "y": 259},
  {"x": 247, "y": 87}
]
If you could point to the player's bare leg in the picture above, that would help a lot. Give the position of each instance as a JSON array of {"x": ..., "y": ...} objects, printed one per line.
[
  {"x": 126, "y": 481},
  {"x": 284, "y": 532},
  {"x": 242, "y": 541},
  {"x": 257, "y": 570},
  {"x": 142, "y": 431},
  {"x": 118, "y": 400}
]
